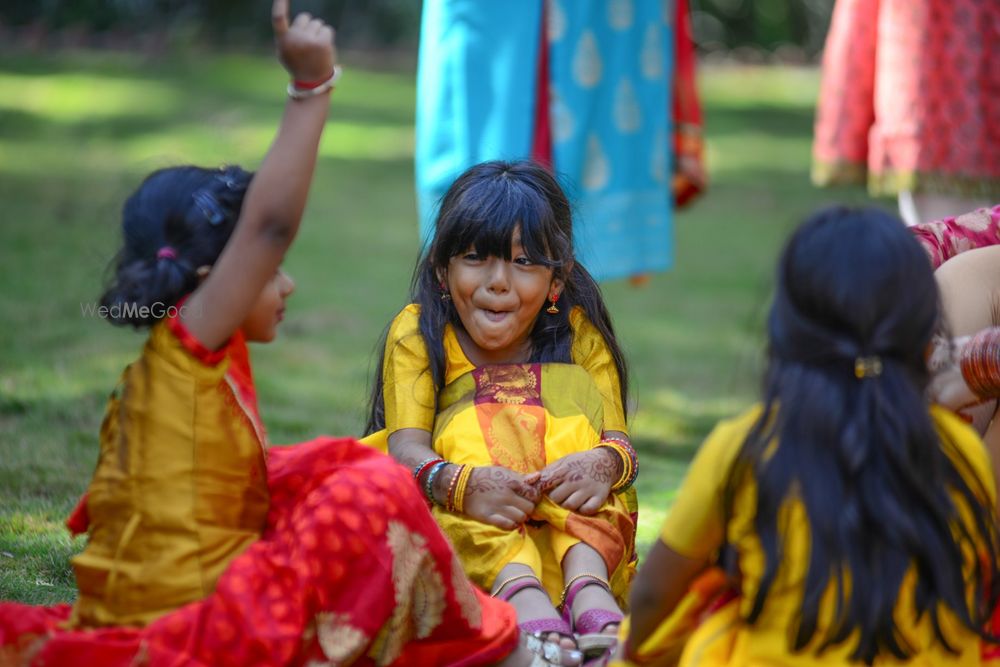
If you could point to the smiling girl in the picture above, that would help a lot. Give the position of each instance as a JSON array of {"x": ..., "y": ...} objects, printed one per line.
[{"x": 502, "y": 388}]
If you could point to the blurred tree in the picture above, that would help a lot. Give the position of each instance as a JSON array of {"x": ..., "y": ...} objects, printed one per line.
[
  {"x": 765, "y": 26},
  {"x": 377, "y": 23}
]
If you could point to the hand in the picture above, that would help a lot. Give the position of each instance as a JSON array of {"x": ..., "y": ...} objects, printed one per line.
[
  {"x": 305, "y": 48},
  {"x": 581, "y": 482},
  {"x": 947, "y": 385},
  {"x": 501, "y": 497}
]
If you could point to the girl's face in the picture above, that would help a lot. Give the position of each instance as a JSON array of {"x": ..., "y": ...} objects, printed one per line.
[
  {"x": 261, "y": 324},
  {"x": 498, "y": 301}
]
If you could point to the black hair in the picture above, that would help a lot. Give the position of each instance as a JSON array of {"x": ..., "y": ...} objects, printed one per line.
[
  {"x": 881, "y": 488},
  {"x": 482, "y": 209},
  {"x": 178, "y": 220}
]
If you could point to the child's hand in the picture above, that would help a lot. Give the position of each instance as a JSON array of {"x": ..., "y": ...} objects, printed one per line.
[
  {"x": 306, "y": 47},
  {"x": 500, "y": 497},
  {"x": 581, "y": 482}
]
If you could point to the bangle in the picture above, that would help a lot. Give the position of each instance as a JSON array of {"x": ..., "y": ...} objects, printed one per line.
[
  {"x": 301, "y": 90},
  {"x": 980, "y": 363},
  {"x": 424, "y": 466},
  {"x": 429, "y": 484},
  {"x": 630, "y": 461},
  {"x": 459, "y": 502},
  {"x": 449, "y": 501}
]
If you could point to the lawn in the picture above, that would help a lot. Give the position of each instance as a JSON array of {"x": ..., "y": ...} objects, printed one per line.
[{"x": 78, "y": 132}]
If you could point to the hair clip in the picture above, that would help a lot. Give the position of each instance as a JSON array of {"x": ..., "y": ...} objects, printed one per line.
[
  {"x": 867, "y": 367},
  {"x": 209, "y": 206}
]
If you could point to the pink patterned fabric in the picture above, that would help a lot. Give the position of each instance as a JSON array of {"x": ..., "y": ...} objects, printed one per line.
[
  {"x": 909, "y": 96},
  {"x": 943, "y": 239}
]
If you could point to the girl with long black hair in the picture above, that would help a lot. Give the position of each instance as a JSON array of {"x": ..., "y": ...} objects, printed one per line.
[{"x": 857, "y": 518}]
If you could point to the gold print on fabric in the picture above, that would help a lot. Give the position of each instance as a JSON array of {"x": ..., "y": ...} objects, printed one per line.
[
  {"x": 512, "y": 384},
  {"x": 419, "y": 591},
  {"x": 515, "y": 440},
  {"x": 467, "y": 602},
  {"x": 341, "y": 642}
]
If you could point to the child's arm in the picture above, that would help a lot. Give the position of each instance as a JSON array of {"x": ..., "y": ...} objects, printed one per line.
[
  {"x": 659, "y": 585},
  {"x": 276, "y": 198}
]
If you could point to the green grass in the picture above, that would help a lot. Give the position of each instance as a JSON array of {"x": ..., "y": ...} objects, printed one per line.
[{"x": 78, "y": 132}]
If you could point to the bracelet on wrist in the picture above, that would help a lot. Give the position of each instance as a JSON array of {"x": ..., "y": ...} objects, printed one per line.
[
  {"x": 458, "y": 503},
  {"x": 429, "y": 483},
  {"x": 630, "y": 461},
  {"x": 301, "y": 90},
  {"x": 980, "y": 363},
  {"x": 422, "y": 467}
]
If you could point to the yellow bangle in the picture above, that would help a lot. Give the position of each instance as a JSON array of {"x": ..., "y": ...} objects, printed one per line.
[{"x": 458, "y": 502}]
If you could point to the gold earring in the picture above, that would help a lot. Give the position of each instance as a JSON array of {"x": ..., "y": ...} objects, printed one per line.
[{"x": 552, "y": 310}]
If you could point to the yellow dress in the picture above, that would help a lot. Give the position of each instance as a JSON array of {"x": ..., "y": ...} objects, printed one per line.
[
  {"x": 695, "y": 528},
  {"x": 521, "y": 416},
  {"x": 181, "y": 483}
]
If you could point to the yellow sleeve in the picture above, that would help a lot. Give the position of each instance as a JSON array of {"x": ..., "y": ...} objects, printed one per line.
[
  {"x": 591, "y": 351},
  {"x": 695, "y": 526},
  {"x": 407, "y": 385}
]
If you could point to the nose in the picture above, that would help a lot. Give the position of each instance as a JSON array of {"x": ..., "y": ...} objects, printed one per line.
[
  {"x": 286, "y": 285},
  {"x": 498, "y": 275}
]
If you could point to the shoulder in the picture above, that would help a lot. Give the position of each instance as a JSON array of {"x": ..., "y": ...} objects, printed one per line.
[
  {"x": 578, "y": 320},
  {"x": 724, "y": 442},
  {"x": 405, "y": 323},
  {"x": 586, "y": 336},
  {"x": 170, "y": 340}
]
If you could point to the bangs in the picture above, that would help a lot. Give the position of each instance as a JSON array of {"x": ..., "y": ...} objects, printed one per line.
[{"x": 488, "y": 219}]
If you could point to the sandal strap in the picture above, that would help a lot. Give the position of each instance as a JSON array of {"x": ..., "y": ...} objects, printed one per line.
[
  {"x": 577, "y": 584},
  {"x": 593, "y": 621},
  {"x": 506, "y": 592}
]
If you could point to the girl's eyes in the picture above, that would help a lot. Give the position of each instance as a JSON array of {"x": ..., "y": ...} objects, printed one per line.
[
  {"x": 523, "y": 261},
  {"x": 471, "y": 256}
]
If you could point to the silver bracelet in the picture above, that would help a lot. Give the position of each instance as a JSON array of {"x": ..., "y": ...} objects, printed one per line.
[{"x": 306, "y": 93}]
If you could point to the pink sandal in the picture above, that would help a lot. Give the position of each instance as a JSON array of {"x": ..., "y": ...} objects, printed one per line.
[
  {"x": 538, "y": 627},
  {"x": 589, "y": 626}
]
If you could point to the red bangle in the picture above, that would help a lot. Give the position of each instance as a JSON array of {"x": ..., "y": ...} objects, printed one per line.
[{"x": 309, "y": 85}]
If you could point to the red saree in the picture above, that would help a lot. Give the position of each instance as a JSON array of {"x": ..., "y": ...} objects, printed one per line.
[{"x": 351, "y": 569}]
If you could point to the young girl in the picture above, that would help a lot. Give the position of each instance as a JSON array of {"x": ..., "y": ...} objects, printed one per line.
[
  {"x": 859, "y": 519},
  {"x": 502, "y": 388},
  {"x": 205, "y": 547}
]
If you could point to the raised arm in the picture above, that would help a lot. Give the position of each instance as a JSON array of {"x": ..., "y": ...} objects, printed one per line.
[{"x": 276, "y": 198}]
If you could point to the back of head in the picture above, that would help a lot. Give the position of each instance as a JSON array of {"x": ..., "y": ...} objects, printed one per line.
[
  {"x": 853, "y": 284},
  {"x": 854, "y": 310},
  {"x": 177, "y": 221}
]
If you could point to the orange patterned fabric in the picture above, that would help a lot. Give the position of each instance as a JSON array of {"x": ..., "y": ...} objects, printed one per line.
[
  {"x": 908, "y": 97},
  {"x": 351, "y": 569}
]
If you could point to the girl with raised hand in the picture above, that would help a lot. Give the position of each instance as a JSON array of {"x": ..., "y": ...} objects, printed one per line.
[
  {"x": 856, "y": 519},
  {"x": 502, "y": 387},
  {"x": 207, "y": 547}
]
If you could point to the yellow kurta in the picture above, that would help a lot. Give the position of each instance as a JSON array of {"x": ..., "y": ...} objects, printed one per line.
[
  {"x": 521, "y": 416},
  {"x": 409, "y": 389},
  {"x": 695, "y": 528},
  {"x": 180, "y": 486}
]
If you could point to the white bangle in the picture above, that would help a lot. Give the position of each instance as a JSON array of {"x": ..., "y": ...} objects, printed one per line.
[{"x": 306, "y": 93}]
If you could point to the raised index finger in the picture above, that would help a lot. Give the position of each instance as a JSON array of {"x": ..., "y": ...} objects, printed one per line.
[{"x": 279, "y": 17}]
